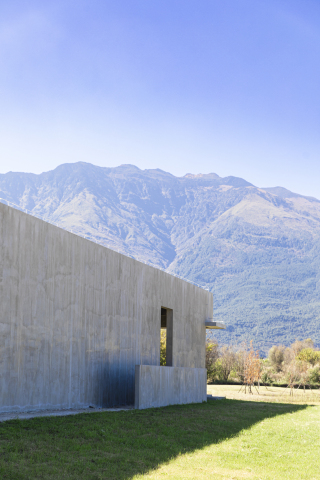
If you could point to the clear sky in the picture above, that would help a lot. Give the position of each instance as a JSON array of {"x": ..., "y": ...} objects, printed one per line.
[{"x": 224, "y": 86}]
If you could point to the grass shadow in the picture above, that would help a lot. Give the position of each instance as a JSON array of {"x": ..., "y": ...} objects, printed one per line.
[{"x": 119, "y": 445}]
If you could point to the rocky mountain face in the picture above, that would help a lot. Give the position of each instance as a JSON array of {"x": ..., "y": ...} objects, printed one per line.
[{"x": 256, "y": 249}]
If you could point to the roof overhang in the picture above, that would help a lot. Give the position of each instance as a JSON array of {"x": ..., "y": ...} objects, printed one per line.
[{"x": 215, "y": 325}]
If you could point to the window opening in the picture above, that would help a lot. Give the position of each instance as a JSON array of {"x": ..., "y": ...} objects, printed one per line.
[{"x": 166, "y": 337}]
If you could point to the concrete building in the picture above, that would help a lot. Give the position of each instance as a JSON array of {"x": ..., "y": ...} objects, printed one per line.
[{"x": 80, "y": 324}]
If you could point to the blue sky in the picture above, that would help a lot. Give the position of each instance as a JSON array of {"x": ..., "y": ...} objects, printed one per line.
[{"x": 231, "y": 87}]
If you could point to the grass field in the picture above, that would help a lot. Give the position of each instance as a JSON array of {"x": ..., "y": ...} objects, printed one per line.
[
  {"x": 225, "y": 439},
  {"x": 267, "y": 394}
]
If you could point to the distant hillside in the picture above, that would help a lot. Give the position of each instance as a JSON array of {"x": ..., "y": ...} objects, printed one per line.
[{"x": 257, "y": 249}]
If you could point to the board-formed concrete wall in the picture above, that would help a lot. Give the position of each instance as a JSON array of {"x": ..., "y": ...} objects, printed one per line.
[
  {"x": 161, "y": 386},
  {"x": 76, "y": 317}
]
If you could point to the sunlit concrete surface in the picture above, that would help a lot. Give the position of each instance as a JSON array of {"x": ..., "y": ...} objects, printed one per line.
[
  {"x": 76, "y": 317},
  {"x": 161, "y": 386}
]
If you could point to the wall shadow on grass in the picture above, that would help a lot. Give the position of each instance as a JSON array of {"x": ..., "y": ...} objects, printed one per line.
[{"x": 119, "y": 445}]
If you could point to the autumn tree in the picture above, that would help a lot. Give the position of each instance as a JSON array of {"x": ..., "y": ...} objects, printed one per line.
[{"x": 252, "y": 369}]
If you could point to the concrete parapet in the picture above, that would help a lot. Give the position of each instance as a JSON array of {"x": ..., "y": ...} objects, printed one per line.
[{"x": 160, "y": 386}]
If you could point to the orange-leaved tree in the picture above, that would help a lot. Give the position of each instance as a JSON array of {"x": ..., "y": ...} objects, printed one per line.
[{"x": 252, "y": 369}]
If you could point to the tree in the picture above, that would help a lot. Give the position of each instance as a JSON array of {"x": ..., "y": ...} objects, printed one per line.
[
  {"x": 226, "y": 362},
  {"x": 293, "y": 375},
  {"x": 212, "y": 354},
  {"x": 241, "y": 358},
  {"x": 276, "y": 357},
  {"x": 252, "y": 369},
  {"x": 309, "y": 355},
  {"x": 299, "y": 345},
  {"x": 289, "y": 356}
]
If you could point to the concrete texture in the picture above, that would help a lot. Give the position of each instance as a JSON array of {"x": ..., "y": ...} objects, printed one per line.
[
  {"x": 76, "y": 317},
  {"x": 161, "y": 386}
]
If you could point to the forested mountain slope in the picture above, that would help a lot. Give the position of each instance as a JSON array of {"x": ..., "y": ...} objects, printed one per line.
[{"x": 257, "y": 249}]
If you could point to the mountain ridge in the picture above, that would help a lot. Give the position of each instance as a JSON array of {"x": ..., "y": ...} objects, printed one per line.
[{"x": 255, "y": 248}]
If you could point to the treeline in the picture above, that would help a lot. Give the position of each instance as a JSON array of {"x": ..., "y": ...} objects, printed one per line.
[{"x": 298, "y": 364}]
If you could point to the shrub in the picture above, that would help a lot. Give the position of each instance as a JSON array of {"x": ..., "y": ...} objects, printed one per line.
[
  {"x": 266, "y": 378},
  {"x": 233, "y": 375},
  {"x": 314, "y": 375},
  {"x": 218, "y": 373}
]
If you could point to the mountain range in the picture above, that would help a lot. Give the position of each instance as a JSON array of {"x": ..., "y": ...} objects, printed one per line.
[{"x": 256, "y": 249}]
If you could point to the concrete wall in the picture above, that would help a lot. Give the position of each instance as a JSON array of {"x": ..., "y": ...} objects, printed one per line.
[
  {"x": 76, "y": 317},
  {"x": 161, "y": 386}
]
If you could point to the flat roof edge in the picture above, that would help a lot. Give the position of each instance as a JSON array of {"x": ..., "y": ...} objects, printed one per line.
[
  {"x": 12, "y": 205},
  {"x": 215, "y": 325}
]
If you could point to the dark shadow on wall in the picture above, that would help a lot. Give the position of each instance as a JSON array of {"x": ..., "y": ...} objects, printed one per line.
[
  {"x": 112, "y": 383},
  {"x": 120, "y": 445}
]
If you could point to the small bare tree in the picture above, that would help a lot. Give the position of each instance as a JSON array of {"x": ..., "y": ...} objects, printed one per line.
[
  {"x": 303, "y": 369},
  {"x": 293, "y": 375},
  {"x": 252, "y": 370},
  {"x": 227, "y": 362},
  {"x": 241, "y": 358}
]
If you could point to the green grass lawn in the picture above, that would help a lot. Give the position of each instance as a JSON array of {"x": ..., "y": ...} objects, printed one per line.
[
  {"x": 227, "y": 439},
  {"x": 267, "y": 394}
]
